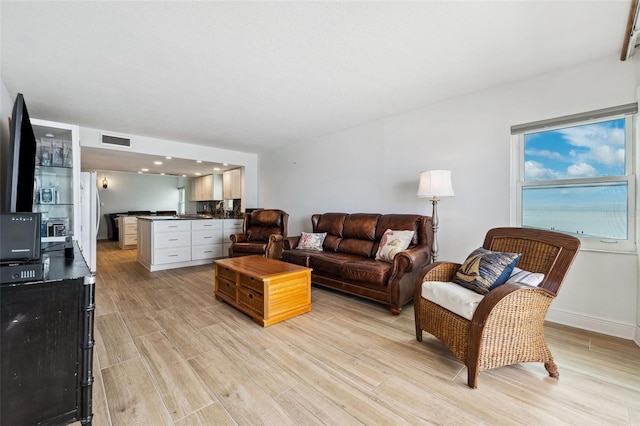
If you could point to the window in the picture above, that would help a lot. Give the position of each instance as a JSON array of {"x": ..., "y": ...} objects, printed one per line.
[
  {"x": 576, "y": 175},
  {"x": 181, "y": 201}
]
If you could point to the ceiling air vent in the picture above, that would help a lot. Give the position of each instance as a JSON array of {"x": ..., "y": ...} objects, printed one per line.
[{"x": 116, "y": 140}]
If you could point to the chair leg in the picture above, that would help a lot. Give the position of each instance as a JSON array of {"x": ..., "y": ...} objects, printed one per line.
[
  {"x": 552, "y": 368},
  {"x": 418, "y": 333},
  {"x": 472, "y": 376},
  {"x": 395, "y": 310}
]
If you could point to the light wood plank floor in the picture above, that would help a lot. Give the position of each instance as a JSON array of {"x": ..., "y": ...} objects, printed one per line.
[{"x": 168, "y": 353}]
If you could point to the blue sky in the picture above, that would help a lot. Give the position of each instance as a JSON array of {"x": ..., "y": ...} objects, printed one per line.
[
  {"x": 590, "y": 150},
  {"x": 587, "y": 151}
]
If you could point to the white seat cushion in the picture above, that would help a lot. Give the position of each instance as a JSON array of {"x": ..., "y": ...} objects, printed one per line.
[{"x": 452, "y": 297}]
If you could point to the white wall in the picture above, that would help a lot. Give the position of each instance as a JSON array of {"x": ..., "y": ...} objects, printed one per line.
[
  {"x": 6, "y": 107},
  {"x": 374, "y": 168},
  {"x": 132, "y": 191}
]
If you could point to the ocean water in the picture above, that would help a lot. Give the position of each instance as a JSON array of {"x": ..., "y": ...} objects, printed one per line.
[{"x": 582, "y": 223}]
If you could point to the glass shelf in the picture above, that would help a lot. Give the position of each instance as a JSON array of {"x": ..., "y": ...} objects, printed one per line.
[{"x": 56, "y": 177}]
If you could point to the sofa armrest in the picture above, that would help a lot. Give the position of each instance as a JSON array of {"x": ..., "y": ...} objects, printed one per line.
[
  {"x": 406, "y": 267},
  {"x": 274, "y": 247},
  {"x": 238, "y": 238},
  {"x": 409, "y": 260},
  {"x": 291, "y": 242}
]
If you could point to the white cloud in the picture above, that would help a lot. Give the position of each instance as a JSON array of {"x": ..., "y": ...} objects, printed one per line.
[
  {"x": 607, "y": 155},
  {"x": 545, "y": 153},
  {"x": 605, "y": 145},
  {"x": 534, "y": 170},
  {"x": 581, "y": 170}
]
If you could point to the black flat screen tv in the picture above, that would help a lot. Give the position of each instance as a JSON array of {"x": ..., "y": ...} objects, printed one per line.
[{"x": 19, "y": 162}]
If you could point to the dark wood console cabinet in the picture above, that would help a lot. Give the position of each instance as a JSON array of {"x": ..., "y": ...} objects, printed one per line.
[{"x": 46, "y": 346}]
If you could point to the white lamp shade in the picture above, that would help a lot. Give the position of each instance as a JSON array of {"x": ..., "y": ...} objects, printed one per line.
[{"x": 435, "y": 184}]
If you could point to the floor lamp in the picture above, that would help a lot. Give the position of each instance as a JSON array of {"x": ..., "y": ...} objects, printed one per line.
[{"x": 435, "y": 184}]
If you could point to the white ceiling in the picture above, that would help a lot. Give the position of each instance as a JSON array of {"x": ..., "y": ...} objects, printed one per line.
[{"x": 253, "y": 76}]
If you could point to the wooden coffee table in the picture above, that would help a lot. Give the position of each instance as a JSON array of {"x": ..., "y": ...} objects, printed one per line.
[{"x": 266, "y": 289}]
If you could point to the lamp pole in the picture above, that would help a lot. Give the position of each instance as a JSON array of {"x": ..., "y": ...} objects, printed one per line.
[
  {"x": 434, "y": 225},
  {"x": 435, "y": 184}
]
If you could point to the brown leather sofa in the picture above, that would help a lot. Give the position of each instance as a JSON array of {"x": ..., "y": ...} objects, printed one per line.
[
  {"x": 347, "y": 260},
  {"x": 263, "y": 234}
]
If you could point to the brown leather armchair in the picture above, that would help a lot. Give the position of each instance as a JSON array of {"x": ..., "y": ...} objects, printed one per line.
[{"x": 263, "y": 234}]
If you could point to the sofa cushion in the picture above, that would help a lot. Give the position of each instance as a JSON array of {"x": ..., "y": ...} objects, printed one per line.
[
  {"x": 525, "y": 277},
  {"x": 361, "y": 226},
  {"x": 367, "y": 270},
  {"x": 254, "y": 247},
  {"x": 266, "y": 218},
  {"x": 259, "y": 233},
  {"x": 451, "y": 296},
  {"x": 484, "y": 270},
  {"x": 400, "y": 222},
  {"x": 298, "y": 257},
  {"x": 311, "y": 241},
  {"x": 392, "y": 243},
  {"x": 356, "y": 246},
  {"x": 329, "y": 263},
  {"x": 331, "y": 223}
]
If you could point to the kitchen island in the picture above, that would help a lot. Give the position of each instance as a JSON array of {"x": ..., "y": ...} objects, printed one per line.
[{"x": 167, "y": 242}]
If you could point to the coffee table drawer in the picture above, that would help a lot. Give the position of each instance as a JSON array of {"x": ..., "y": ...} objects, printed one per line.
[
  {"x": 253, "y": 283},
  {"x": 227, "y": 273},
  {"x": 251, "y": 299},
  {"x": 227, "y": 287}
]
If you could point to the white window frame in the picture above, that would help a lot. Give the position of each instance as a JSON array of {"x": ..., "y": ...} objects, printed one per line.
[{"x": 632, "y": 132}]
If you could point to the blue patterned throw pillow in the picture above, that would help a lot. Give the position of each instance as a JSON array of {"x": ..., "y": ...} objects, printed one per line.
[{"x": 485, "y": 270}]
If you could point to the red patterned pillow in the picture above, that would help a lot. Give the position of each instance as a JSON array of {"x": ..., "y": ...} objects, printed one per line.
[{"x": 311, "y": 241}]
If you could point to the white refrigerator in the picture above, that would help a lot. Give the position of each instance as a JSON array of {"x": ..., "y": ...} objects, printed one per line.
[{"x": 89, "y": 217}]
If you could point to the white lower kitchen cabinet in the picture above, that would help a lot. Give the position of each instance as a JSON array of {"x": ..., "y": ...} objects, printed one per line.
[
  {"x": 206, "y": 239},
  {"x": 128, "y": 232},
  {"x": 230, "y": 226},
  {"x": 167, "y": 243}
]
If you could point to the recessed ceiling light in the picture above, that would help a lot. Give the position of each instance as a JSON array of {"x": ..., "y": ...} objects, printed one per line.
[
  {"x": 162, "y": 174},
  {"x": 184, "y": 175},
  {"x": 198, "y": 161},
  {"x": 49, "y": 135},
  {"x": 168, "y": 158},
  {"x": 158, "y": 163},
  {"x": 216, "y": 168},
  {"x": 140, "y": 172},
  {"x": 225, "y": 164},
  {"x": 144, "y": 170},
  {"x": 198, "y": 174}
]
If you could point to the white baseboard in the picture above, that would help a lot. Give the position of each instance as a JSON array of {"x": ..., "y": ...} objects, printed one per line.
[{"x": 599, "y": 325}]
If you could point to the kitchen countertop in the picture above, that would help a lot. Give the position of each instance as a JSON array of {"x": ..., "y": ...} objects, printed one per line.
[{"x": 185, "y": 217}]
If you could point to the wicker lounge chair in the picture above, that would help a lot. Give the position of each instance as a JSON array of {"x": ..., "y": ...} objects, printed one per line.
[{"x": 507, "y": 325}]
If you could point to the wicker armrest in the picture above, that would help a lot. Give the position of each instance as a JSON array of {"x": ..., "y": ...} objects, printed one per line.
[
  {"x": 440, "y": 271},
  {"x": 512, "y": 309},
  {"x": 531, "y": 296}
]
